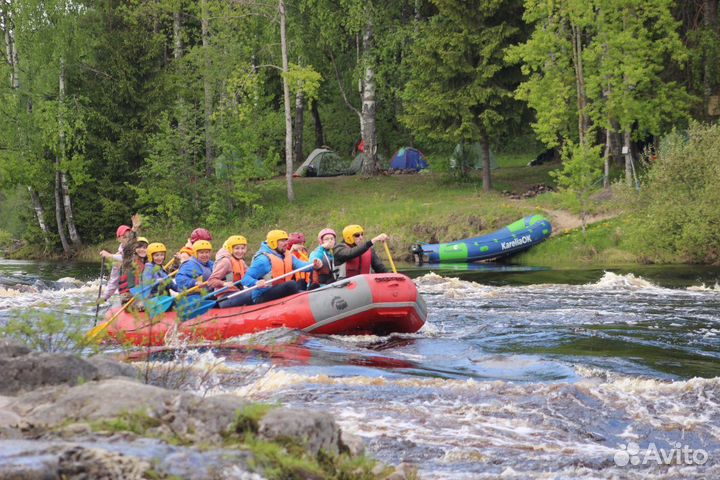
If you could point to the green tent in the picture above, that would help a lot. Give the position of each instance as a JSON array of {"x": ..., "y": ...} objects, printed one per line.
[
  {"x": 322, "y": 162},
  {"x": 357, "y": 164}
]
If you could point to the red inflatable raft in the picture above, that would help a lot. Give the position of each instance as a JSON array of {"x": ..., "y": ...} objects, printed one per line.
[{"x": 377, "y": 304}]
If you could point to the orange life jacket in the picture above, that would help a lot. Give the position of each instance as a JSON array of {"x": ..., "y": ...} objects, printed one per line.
[
  {"x": 305, "y": 257},
  {"x": 359, "y": 264},
  {"x": 280, "y": 267},
  {"x": 239, "y": 267}
]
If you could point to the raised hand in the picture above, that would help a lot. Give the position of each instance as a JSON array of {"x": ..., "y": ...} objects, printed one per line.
[{"x": 380, "y": 238}]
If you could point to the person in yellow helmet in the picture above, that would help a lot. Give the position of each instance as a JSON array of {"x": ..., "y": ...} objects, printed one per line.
[
  {"x": 229, "y": 269},
  {"x": 272, "y": 261},
  {"x": 355, "y": 255},
  {"x": 198, "y": 269},
  {"x": 155, "y": 273}
]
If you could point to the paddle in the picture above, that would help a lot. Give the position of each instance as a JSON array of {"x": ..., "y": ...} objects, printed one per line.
[
  {"x": 155, "y": 306},
  {"x": 387, "y": 251},
  {"x": 192, "y": 303},
  {"x": 203, "y": 305},
  {"x": 99, "y": 329},
  {"x": 97, "y": 302}
]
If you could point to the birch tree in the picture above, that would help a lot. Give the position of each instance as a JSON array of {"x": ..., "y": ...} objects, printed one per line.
[{"x": 633, "y": 43}]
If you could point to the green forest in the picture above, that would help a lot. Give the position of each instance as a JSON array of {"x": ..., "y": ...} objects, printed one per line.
[{"x": 184, "y": 110}]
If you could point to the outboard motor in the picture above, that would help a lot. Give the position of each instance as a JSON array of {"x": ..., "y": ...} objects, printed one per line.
[{"x": 418, "y": 254}]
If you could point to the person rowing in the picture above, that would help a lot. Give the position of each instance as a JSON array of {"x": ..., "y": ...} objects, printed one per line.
[
  {"x": 296, "y": 246},
  {"x": 198, "y": 268},
  {"x": 272, "y": 261},
  {"x": 230, "y": 268},
  {"x": 355, "y": 255},
  {"x": 155, "y": 277},
  {"x": 324, "y": 252}
]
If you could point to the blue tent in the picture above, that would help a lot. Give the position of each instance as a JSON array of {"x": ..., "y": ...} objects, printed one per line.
[{"x": 408, "y": 158}]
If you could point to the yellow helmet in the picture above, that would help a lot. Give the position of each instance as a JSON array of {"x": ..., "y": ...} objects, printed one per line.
[
  {"x": 154, "y": 248},
  {"x": 349, "y": 233},
  {"x": 141, "y": 240},
  {"x": 274, "y": 236},
  {"x": 234, "y": 240},
  {"x": 201, "y": 245}
]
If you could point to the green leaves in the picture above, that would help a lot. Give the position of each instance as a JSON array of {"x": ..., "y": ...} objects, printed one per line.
[{"x": 460, "y": 87}]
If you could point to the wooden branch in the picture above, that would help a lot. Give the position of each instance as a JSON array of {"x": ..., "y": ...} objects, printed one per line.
[{"x": 340, "y": 86}]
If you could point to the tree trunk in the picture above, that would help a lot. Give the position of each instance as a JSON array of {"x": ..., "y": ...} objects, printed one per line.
[
  {"x": 627, "y": 151},
  {"x": 205, "y": 29},
  {"x": 710, "y": 24},
  {"x": 288, "y": 113},
  {"x": 177, "y": 55},
  {"x": 583, "y": 123},
  {"x": 13, "y": 59},
  {"x": 299, "y": 126},
  {"x": 59, "y": 211},
  {"x": 368, "y": 127},
  {"x": 10, "y": 47},
  {"x": 177, "y": 34},
  {"x": 606, "y": 156},
  {"x": 487, "y": 185},
  {"x": 67, "y": 203},
  {"x": 39, "y": 212},
  {"x": 319, "y": 134}
]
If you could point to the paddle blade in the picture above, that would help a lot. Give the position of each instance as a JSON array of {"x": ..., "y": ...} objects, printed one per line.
[
  {"x": 155, "y": 306},
  {"x": 194, "y": 309},
  {"x": 142, "y": 291},
  {"x": 97, "y": 330}
]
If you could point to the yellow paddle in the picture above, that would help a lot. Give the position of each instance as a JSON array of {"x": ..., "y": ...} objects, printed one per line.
[
  {"x": 93, "y": 334},
  {"x": 387, "y": 251}
]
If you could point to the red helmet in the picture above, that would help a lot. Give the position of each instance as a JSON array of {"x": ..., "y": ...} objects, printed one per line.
[
  {"x": 295, "y": 238},
  {"x": 122, "y": 230},
  {"x": 200, "y": 234}
]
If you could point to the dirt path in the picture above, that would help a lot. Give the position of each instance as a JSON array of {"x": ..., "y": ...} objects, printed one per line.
[{"x": 562, "y": 220}]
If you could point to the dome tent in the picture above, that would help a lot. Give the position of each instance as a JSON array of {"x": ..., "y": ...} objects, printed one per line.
[
  {"x": 322, "y": 162},
  {"x": 408, "y": 158}
]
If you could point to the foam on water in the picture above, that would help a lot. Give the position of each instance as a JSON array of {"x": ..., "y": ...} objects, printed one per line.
[
  {"x": 489, "y": 427},
  {"x": 70, "y": 297}
]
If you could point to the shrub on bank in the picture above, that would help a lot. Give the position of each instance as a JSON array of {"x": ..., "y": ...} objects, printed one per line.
[{"x": 675, "y": 215}]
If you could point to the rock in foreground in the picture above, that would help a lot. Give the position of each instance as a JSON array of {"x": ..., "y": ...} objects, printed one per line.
[{"x": 63, "y": 417}]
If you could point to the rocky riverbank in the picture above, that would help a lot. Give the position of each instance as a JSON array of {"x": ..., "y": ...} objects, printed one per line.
[{"x": 64, "y": 417}]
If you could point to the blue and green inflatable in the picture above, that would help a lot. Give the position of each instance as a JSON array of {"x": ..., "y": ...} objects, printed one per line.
[{"x": 514, "y": 238}]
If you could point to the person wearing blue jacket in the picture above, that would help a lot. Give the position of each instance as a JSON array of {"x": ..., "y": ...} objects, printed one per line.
[
  {"x": 198, "y": 269},
  {"x": 324, "y": 252},
  {"x": 272, "y": 261},
  {"x": 154, "y": 273}
]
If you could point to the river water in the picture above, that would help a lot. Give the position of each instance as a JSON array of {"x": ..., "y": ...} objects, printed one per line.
[{"x": 519, "y": 373}]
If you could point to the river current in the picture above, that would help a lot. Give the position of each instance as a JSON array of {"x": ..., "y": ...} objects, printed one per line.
[{"x": 518, "y": 373}]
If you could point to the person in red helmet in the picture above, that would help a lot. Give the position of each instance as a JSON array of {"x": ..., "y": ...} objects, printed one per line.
[
  {"x": 296, "y": 246},
  {"x": 199, "y": 234},
  {"x": 179, "y": 258},
  {"x": 124, "y": 235}
]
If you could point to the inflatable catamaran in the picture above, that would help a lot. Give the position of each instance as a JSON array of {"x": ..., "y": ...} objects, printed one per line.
[{"x": 514, "y": 238}]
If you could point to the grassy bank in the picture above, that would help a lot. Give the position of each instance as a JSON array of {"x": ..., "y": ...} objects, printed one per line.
[{"x": 413, "y": 208}]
